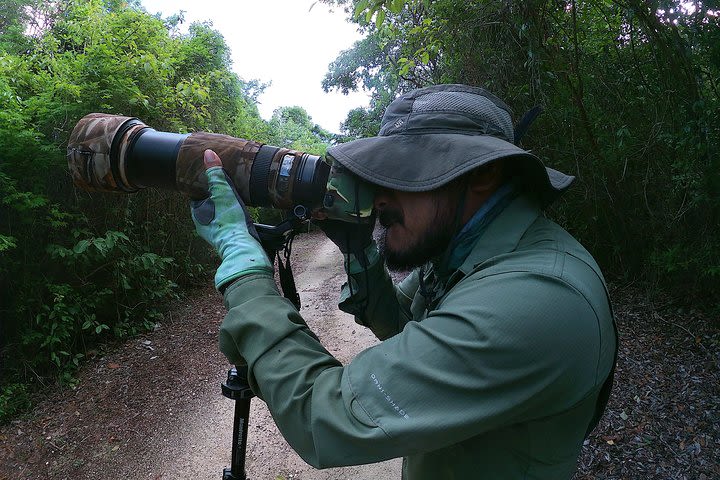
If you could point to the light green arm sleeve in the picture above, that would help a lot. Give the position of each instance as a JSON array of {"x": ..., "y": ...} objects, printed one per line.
[{"x": 496, "y": 352}]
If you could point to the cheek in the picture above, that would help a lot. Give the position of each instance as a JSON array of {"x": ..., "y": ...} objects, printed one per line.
[
  {"x": 399, "y": 236},
  {"x": 419, "y": 215},
  {"x": 411, "y": 226},
  {"x": 425, "y": 214},
  {"x": 416, "y": 221}
]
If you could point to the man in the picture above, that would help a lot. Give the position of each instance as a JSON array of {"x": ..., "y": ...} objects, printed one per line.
[{"x": 495, "y": 351}]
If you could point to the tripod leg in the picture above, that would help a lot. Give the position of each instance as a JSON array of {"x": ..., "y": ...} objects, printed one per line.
[{"x": 237, "y": 388}]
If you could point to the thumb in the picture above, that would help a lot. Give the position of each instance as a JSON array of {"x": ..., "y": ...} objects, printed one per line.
[
  {"x": 203, "y": 211},
  {"x": 217, "y": 180},
  {"x": 219, "y": 183},
  {"x": 211, "y": 159}
]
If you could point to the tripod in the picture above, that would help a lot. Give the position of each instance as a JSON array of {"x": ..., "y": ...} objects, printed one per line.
[{"x": 236, "y": 387}]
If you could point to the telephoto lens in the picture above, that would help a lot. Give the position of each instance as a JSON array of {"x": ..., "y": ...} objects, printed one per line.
[{"x": 112, "y": 153}]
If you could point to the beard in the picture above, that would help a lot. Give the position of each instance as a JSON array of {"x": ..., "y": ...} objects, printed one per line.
[{"x": 430, "y": 243}]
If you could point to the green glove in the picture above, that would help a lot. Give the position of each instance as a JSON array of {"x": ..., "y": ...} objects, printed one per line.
[
  {"x": 221, "y": 219},
  {"x": 354, "y": 240},
  {"x": 356, "y": 263}
]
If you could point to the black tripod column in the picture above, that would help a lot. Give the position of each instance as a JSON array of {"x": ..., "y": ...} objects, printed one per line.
[{"x": 236, "y": 388}]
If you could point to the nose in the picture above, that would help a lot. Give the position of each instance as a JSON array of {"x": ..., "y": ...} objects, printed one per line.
[{"x": 382, "y": 197}]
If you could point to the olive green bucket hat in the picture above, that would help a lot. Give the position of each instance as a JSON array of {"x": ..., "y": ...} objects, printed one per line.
[{"x": 432, "y": 135}]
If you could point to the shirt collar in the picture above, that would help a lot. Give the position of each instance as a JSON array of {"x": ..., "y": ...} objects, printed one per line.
[
  {"x": 462, "y": 244},
  {"x": 503, "y": 234},
  {"x": 496, "y": 230}
]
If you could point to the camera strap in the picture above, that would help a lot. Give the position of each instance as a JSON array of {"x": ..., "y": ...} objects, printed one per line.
[
  {"x": 522, "y": 126},
  {"x": 277, "y": 242},
  {"x": 287, "y": 280}
]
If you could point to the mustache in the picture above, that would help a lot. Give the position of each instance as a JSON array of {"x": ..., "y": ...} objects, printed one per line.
[{"x": 389, "y": 216}]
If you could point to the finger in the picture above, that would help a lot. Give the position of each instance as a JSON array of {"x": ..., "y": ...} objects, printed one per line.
[{"x": 211, "y": 159}]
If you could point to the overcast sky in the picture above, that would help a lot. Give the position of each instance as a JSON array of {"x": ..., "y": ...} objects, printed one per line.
[{"x": 283, "y": 42}]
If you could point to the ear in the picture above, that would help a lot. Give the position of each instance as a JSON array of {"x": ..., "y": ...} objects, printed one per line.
[{"x": 486, "y": 179}]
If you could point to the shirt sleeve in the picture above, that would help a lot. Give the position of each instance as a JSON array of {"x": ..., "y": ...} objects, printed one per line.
[{"x": 495, "y": 352}]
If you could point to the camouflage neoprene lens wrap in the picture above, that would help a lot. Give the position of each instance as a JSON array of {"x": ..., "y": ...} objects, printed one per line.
[
  {"x": 89, "y": 153},
  {"x": 111, "y": 153}
]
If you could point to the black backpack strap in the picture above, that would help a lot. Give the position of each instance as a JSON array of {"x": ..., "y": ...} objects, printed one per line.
[
  {"x": 522, "y": 126},
  {"x": 604, "y": 394}
]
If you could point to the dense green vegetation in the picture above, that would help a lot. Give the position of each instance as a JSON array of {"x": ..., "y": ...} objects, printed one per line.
[
  {"x": 77, "y": 269},
  {"x": 630, "y": 93}
]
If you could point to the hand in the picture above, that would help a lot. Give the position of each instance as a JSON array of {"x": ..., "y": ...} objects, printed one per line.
[
  {"x": 350, "y": 237},
  {"x": 222, "y": 220},
  {"x": 354, "y": 240}
]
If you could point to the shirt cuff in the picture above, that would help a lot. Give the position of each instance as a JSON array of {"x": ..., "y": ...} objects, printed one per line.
[
  {"x": 258, "y": 317},
  {"x": 354, "y": 265}
]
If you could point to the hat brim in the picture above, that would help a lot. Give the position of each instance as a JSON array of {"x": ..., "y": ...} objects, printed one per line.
[{"x": 423, "y": 162}]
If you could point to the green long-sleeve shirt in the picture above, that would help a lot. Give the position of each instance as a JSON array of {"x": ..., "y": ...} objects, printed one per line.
[{"x": 498, "y": 378}]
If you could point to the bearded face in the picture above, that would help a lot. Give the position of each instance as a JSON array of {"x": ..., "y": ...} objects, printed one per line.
[{"x": 415, "y": 226}]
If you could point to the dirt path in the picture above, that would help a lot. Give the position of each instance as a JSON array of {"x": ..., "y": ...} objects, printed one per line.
[{"x": 152, "y": 409}]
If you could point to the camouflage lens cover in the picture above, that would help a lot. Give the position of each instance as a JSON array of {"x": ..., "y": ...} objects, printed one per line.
[
  {"x": 348, "y": 197},
  {"x": 89, "y": 152},
  {"x": 237, "y": 156}
]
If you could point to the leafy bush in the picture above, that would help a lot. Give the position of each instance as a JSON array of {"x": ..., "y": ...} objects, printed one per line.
[
  {"x": 115, "y": 289},
  {"x": 14, "y": 399}
]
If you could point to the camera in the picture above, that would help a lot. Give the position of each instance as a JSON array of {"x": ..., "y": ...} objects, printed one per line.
[{"x": 112, "y": 153}]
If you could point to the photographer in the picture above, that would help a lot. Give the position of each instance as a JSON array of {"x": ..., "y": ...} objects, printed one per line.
[{"x": 497, "y": 349}]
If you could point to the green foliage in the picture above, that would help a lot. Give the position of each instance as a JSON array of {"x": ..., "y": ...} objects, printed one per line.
[
  {"x": 54, "y": 328},
  {"x": 115, "y": 289},
  {"x": 292, "y": 127},
  {"x": 14, "y": 399},
  {"x": 630, "y": 94}
]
